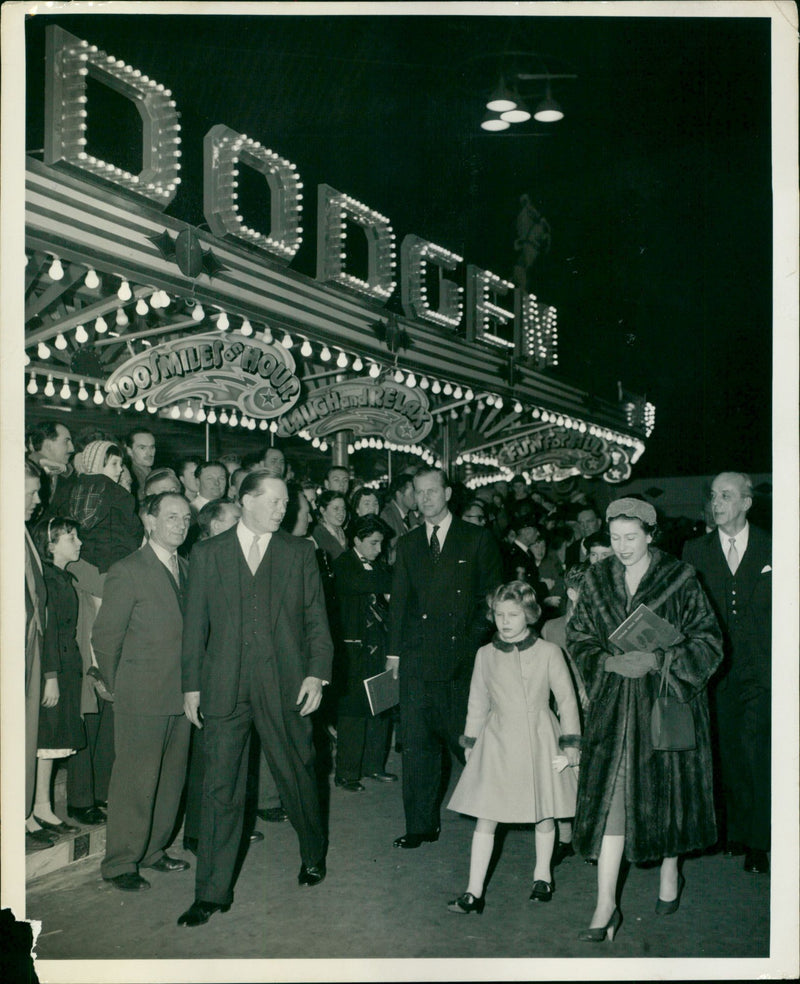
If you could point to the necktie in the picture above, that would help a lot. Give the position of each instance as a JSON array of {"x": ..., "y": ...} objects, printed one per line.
[
  {"x": 733, "y": 556},
  {"x": 435, "y": 548},
  {"x": 173, "y": 566},
  {"x": 254, "y": 557}
]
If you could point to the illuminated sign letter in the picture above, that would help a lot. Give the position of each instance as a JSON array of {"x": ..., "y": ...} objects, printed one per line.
[
  {"x": 69, "y": 61},
  {"x": 224, "y": 150},
  {"x": 538, "y": 334},
  {"x": 334, "y": 211},
  {"x": 483, "y": 314},
  {"x": 415, "y": 255}
]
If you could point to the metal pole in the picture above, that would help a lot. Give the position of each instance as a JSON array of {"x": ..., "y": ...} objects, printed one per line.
[
  {"x": 339, "y": 456},
  {"x": 208, "y": 439}
]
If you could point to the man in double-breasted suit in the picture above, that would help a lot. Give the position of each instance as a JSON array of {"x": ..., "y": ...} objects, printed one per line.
[
  {"x": 257, "y": 650},
  {"x": 437, "y": 616},
  {"x": 734, "y": 565},
  {"x": 137, "y": 642}
]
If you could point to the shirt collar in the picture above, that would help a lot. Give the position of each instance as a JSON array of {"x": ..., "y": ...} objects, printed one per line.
[
  {"x": 742, "y": 538},
  {"x": 245, "y": 535},
  {"x": 442, "y": 526},
  {"x": 509, "y": 647},
  {"x": 165, "y": 556},
  {"x": 521, "y": 545}
]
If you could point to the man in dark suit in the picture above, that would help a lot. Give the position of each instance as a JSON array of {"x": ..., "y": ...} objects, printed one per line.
[
  {"x": 398, "y": 513},
  {"x": 519, "y": 564},
  {"x": 734, "y": 565},
  {"x": 589, "y": 522},
  {"x": 443, "y": 572},
  {"x": 257, "y": 650},
  {"x": 137, "y": 642}
]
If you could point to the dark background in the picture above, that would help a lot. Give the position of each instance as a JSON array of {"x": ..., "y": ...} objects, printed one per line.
[{"x": 656, "y": 185}]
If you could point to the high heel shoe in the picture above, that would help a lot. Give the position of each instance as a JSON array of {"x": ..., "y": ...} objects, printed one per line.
[
  {"x": 667, "y": 908},
  {"x": 601, "y": 933},
  {"x": 467, "y": 903}
]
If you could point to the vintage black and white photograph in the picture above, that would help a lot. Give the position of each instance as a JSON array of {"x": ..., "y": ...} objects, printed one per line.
[{"x": 405, "y": 402}]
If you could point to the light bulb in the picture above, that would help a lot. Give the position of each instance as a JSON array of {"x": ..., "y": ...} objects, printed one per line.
[
  {"x": 351, "y": 449},
  {"x": 287, "y": 342},
  {"x": 273, "y": 427},
  {"x": 411, "y": 380},
  {"x": 61, "y": 342},
  {"x": 447, "y": 389},
  {"x": 198, "y": 313},
  {"x": 315, "y": 442},
  {"x": 458, "y": 393},
  {"x": 124, "y": 292},
  {"x": 188, "y": 412},
  {"x": 517, "y": 407},
  {"x": 139, "y": 405},
  {"x": 436, "y": 386},
  {"x": 499, "y": 402},
  {"x": 141, "y": 306},
  {"x": 98, "y": 396},
  {"x": 43, "y": 351},
  {"x": 92, "y": 280},
  {"x": 66, "y": 392},
  {"x": 223, "y": 417},
  {"x": 358, "y": 365},
  {"x": 83, "y": 393},
  {"x": 201, "y": 415},
  {"x": 268, "y": 334},
  {"x": 155, "y": 300},
  {"x": 263, "y": 425},
  {"x": 374, "y": 370},
  {"x": 56, "y": 271},
  {"x": 341, "y": 361},
  {"x": 212, "y": 416},
  {"x": 222, "y": 321},
  {"x": 247, "y": 328},
  {"x": 305, "y": 349},
  {"x": 81, "y": 335},
  {"x": 423, "y": 383},
  {"x": 398, "y": 376},
  {"x": 325, "y": 354},
  {"x": 233, "y": 420},
  {"x": 32, "y": 386},
  {"x": 122, "y": 318},
  {"x": 175, "y": 412},
  {"x": 49, "y": 389},
  {"x": 100, "y": 325},
  {"x": 469, "y": 395},
  {"x": 323, "y": 445}
]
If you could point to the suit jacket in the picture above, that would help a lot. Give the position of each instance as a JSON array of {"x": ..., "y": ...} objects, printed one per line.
[
  {"x": 438, "y": 612},
  {"x": 35, "y": 598},
  {"x": 747, "y": 635},
  {"x": 137, "y": 635},
  {"x": 212, "y": 641},
  {"x": 391, "y": 515},
  {"x": 572, "y": 555}
]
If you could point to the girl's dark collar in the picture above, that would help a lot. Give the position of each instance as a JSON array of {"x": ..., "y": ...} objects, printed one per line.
[{"x": 508, "y": 647}]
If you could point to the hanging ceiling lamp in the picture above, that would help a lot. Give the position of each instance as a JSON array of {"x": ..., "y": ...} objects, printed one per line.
[
  {"x": 519, "y": 114},
  {"x": 494, "y": 123},
  {"x": 548, "y": 110},
  {"x": 501, "y": 99}
]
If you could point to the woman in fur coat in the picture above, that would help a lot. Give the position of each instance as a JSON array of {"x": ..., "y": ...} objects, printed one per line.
[{"x": 633, "y": 799}]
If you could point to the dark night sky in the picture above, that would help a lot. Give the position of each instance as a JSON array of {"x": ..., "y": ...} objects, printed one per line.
[{"x": 657, "y": 184}]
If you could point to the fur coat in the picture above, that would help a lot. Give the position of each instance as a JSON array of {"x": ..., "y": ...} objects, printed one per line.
[{"x": 669, "y": 802}]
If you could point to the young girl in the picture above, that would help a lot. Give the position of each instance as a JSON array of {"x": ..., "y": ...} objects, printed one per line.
[
  {"x": 514, "y": 744},
  {"x": 61, "y": 730}
]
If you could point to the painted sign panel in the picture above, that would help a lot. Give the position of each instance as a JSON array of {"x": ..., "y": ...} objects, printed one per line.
[
  {"x": 396, "y": 413},
  {"x": 556, "y": 453},
  {"x": 217, "y": 369}
]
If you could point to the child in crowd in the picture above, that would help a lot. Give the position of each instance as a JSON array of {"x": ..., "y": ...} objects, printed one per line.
[
  {"x": 61, "y": 730},
  {"x": 517, "y": 756}
]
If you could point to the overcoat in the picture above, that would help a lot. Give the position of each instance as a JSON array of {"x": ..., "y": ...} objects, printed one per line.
[
  {"x": 669, "y": 805},
  {"x": 509, "y": 776}
]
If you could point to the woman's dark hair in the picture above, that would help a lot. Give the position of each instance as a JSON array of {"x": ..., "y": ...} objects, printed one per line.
[
  {"x": 360, "y": 494},
  {"x": 598, "y": 539},
  {"x": 327, "y": 497},
  {"x": 365, "y": 526},
  {"x": 289, "y": 520},
  {"x": 47, "y": 532}
]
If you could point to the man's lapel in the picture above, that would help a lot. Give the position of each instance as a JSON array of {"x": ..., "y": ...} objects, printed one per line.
[
  {"x": 226, "y": 555},
  {"x": 279, "y": 556},
  {"x": 158, "y": 570}
]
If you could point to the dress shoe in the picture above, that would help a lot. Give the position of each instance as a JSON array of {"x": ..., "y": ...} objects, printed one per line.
[
  {"x": 256, "y": 836},
  {"x": 409, "y": 841},
  {"x": 57, "y": 828},
  {"x": 101, "y": 804},
  {"x": 88, "y": 816},
  {"x": 733, "y": 849},
  {"x": 190, "y": 844},
  {"x": 601, "y": 933},
  {"x": 561, "y": 852},
  {"x": 467, "y": 903},
  {"x": 382, "y": 776},
  {"x": 311, "y": 874},
  {"x": 351, "y": 785},
  {"x": 542, "y": 891},
  {"x": 131, "y": 881},
  {"x": 756, "y": 862},
  {"x": 667, "y": 908},
  {"x": 38, "y": 840},
  {"x": 200, "y": 912},
  {"x": 166, "y": 864},
  {"x": 275, "y": 814}
]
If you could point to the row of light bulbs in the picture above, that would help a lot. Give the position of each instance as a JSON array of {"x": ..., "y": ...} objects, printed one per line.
[{"x": 65, "y": 392}]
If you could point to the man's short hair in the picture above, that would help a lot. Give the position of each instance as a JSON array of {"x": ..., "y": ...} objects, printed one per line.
[
  {"x": 132, "y": 434},
  {"x": 335, "y": 468},
  {"x": 599, "y": 539},
  {"x": 152, "y": 504},
  {"x": 401, "y": 482},
  {"x": 252, "y": 481},
  {"x": 32, "y": 470},
  {"x": 252, "y": 460},
  {"x": 37, "y": 434},
  {"x": 158, "y": 476},
  {"x": 744, "y": 480},
  {"x": 431, "y": 470},
  {"x": 210, "y": 512},
  {"x": 183, "y": 463},
  {"x": 365, "y": 526},
  {"x": 205, "y": 465}
]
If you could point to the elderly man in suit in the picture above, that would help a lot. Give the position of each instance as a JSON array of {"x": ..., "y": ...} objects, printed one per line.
[
  {"x": 437, "y": 621},
  {"x": 137, "y": 643},
  {"x": 734, "y": 565},
  {"x": 257, "y": 650}
]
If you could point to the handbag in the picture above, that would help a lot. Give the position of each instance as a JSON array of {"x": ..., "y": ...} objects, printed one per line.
[{"x": 671, "y": 720}]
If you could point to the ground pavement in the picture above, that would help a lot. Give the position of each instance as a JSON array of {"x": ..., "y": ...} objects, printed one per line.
[{"x": 382, "y": 902}]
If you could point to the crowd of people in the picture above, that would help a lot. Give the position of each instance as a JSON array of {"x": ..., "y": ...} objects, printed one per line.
[{"x": 180, "y": 619}]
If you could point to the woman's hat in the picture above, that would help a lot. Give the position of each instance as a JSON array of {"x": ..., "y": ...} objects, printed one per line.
[
  {"x": 637, "y": 508},
  {"x": 90, "y": 461}
]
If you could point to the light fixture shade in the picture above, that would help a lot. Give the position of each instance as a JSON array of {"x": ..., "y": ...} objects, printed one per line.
[
  {"x": 494, "y": 123},
  {"x": 501, "y": 99},
  {"x": 548, "y": 110},
  {"x": 521, "y": 114}
]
